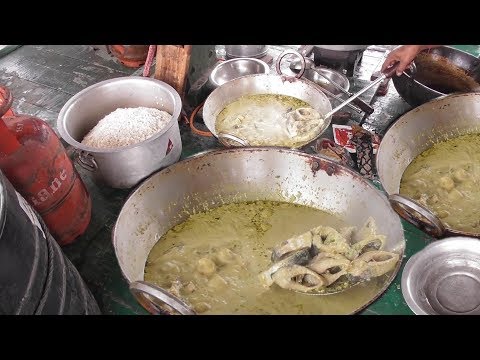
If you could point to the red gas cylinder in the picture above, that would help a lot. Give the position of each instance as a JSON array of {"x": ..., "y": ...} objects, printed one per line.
[
  {"x": 36, "y": 163},
  {"x": 132, "y": 56}
]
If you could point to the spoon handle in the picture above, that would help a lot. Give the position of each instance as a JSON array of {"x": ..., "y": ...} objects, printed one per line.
[{"x": 386, "y": 75}]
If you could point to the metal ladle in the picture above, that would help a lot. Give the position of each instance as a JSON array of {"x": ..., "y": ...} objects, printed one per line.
[
  {"x": 310, "y": 65},
  {"x": 390, "y": 72},
  {"x": 296, "y": 68}
]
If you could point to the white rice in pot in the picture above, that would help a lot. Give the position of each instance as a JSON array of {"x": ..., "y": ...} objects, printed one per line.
[{"x": 126, "y": 126}]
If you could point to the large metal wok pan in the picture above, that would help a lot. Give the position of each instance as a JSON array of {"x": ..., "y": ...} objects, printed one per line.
[
  {"x": 435, "y": 73},
  {"x": 247, "y": 174},
  {"x": 265, "y": 84},
  {"x": 413, "y": 133}
]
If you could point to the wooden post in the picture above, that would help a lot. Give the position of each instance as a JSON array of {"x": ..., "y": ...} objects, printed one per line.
[{"x": 172, "y": 66}]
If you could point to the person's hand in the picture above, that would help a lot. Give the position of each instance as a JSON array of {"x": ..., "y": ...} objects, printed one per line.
[{"x": 404, "y": 55}]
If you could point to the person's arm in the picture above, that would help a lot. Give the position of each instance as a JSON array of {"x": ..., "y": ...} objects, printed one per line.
[{"x": 404, "y": 55}]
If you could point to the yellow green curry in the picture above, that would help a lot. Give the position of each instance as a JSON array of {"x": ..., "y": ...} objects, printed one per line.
[
  {"x": 213, "y": 260},
  {"x": 269, "y": 120},
  {"x": 445, "y": 179}
]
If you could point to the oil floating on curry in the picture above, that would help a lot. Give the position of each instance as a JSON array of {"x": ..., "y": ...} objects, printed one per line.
[
  {"x": 216, "y": 260},
  {"x": 445, "y": 179},
  {"x": 270, "y": 120}
]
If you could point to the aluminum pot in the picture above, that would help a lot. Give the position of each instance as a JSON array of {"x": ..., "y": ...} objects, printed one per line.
[
  {"x": 126, "y": 166},
  {"x": 413, "y": 133},
  {"x": 245, "y": 51},
  {"x": 414, "y": 85},
  {"x": 247, "y": 174}
]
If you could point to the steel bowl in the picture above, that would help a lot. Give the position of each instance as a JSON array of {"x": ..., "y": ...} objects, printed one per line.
[
  {"x": 126, "y": 166},
  {"x": 322, "y": 76},
  {"x": 231, "y": 69},
  {"x": 444, "y": 278},
  {"x": 330, "y": 74},
  {"x": 245, "y": 51}
]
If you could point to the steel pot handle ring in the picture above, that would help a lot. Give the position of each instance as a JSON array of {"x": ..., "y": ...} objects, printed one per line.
[
  {"x": 302, "y": 62},
  {"x": 201, "y": 153},
  {"x": 417, "y": 215},
  {"x": 222, "y": 136},
  {"x": 86, "y": 160},
  {"x": 157, "y": 300}
]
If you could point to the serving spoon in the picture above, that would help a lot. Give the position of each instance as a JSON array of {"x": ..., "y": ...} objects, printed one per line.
[
  {"x": 310, "y": 65},
  {"x": 303, "y": 61},
  {"x": 389, "y": 73}
]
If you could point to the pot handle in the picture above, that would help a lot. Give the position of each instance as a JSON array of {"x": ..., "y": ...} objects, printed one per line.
[
  {"x": 86, "y": 160},
  {"x": 223, "y": 136},
  {"x": 302, "y": 62},
  {"x": 157, "y": 300},
  {"x": 417, "y": 215},
  {"x": 200, "y": 153}
]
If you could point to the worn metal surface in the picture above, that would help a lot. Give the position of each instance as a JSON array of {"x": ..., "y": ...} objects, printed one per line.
[
  {"x": 43, "y": 78},
  {"x": 6, "y": 49}
]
